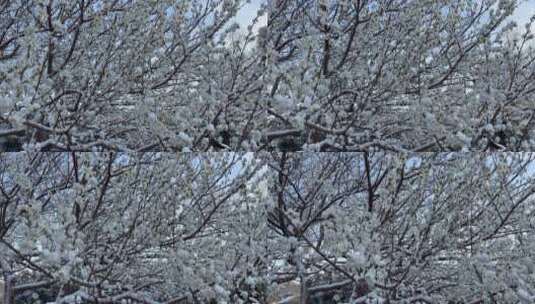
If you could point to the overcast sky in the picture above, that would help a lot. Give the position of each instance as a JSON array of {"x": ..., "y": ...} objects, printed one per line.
[
  {"x": 525, "y": 11},
  {"x": 248, "y": 12}
]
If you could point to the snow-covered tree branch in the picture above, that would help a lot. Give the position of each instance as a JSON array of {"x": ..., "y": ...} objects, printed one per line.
[
  {"x": 268, "y": 228},
  {"x": 437, "y": 228},
  {"x": 347, "y": 75},
  {"x": 400, "y": 75}
]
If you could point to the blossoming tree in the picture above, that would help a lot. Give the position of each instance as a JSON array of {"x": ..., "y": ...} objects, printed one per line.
[
  {"x": 267, "y": 228},
  {"x": 320, "y": 75}
]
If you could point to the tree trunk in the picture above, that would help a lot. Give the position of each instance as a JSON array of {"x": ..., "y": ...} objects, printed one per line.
[{"x": 8, "y": 290}]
